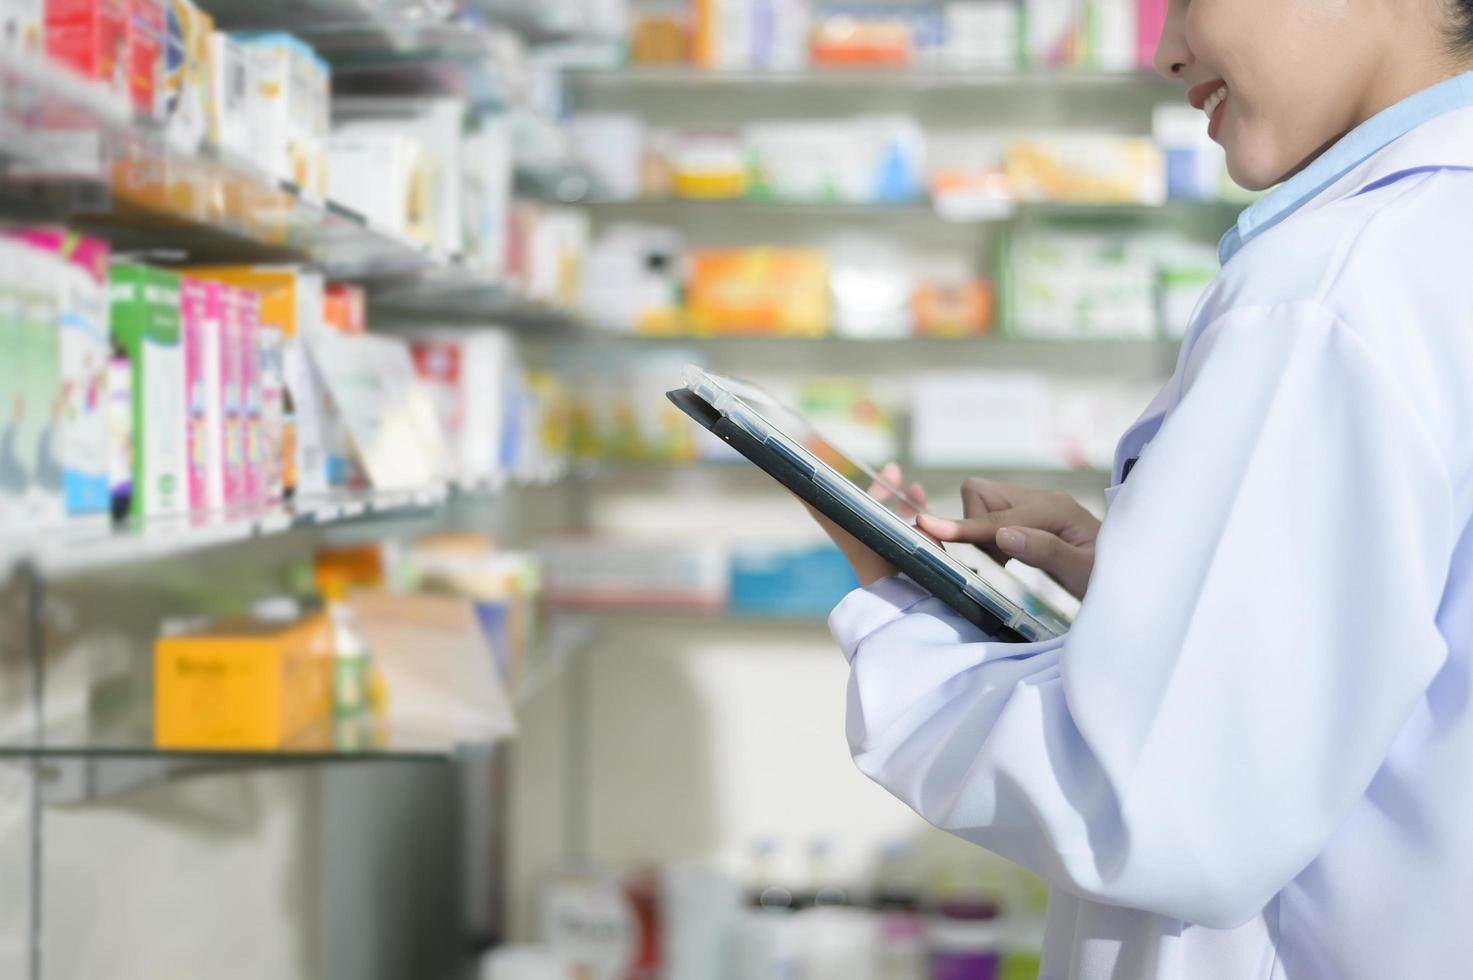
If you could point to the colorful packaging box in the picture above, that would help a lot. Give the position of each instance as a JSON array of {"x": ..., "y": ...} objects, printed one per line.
[
  {"x": 1087, "y": 168},
  {"x": 185, "y": 97},
  {"x": 291, "y": 308},
  {"x": 78, "y": 267},
  {"x": 470, "y": 377},
  {"x": 30, "y": 479},
  {"x": 253, "y": 480},
  {"x": 1053, "y": 33},
  {"x": 345, "y": 308},
  {"x": 242, "y": 684},
  {"x": 144, "y": 52},
  {"x": 145, "y": 323},
  {"x": 234, "y": 310},
  {"x": 952, "y": 308},
  {"x": 40, "y": 403},
  {"x": 212, "y": 392},
  {"x": 1150, "y": 19},
  {"x": 278, "y": 441},
  {"x": 23, "y": 26},
  {"x": 787, "y": 580},
  {"x": 193, "y": 330},
  {"x": 90, "y": 36},
  {"x": 758, "y": 291}
]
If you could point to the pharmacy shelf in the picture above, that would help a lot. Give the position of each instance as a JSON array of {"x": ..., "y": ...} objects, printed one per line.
[
  {"x": 542, "y": 22},
  {"x": 673, "y": 209},
  {"x": 73, "y": 150},
  {"x": 621, "y": 473},
  {"x": 130, "y": 736},
  {"x": 348, "y": 32},
  {"x": 894, "y": 359},
  {"x": 860, "y": 80},
  {"x": 674, "y": 616},
  {"x": 461, "y": 293},
  {"x": 889, "y": 345},
  {"x": 322, "y": 22},
  {"x": 90, "y": 546}
]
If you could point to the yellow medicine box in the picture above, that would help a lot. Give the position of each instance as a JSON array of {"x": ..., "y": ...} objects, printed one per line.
[{"x": 242, "y": 684}]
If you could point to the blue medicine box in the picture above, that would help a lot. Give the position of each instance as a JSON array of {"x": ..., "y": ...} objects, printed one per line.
[{"x": 788, "y": 581}]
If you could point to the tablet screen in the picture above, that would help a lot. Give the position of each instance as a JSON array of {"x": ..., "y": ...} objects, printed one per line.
[
  {"x": 862, "y": 476},
  {"x": 796, "y": 427}
]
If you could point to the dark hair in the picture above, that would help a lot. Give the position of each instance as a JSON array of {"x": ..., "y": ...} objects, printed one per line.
[{"x": 1462, "y": 17}]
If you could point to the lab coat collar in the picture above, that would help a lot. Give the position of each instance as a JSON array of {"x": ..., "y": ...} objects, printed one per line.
[{"x": 1339, "y": 169}]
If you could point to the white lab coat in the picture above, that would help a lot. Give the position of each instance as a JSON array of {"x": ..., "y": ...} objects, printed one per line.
[{"x": 1252, "y": 756}]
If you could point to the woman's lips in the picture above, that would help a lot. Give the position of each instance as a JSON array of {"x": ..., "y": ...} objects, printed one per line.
[
  {"x": 1210, "y": 97},
  {"x": 1214, "y": 122}
]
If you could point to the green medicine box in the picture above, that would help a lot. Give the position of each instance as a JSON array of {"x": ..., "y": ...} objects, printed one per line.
[{"x": 146, "y": 324}]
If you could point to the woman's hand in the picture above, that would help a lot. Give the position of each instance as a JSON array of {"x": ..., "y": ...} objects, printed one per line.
[
  {"x": 1042, "y": 528},
  {"x": 868, "y": 566}
]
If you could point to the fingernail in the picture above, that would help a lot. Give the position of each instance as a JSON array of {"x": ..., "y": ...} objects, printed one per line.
[{"x": 1012, "y": 540}]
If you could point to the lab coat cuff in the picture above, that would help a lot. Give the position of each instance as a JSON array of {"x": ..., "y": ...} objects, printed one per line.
[{"x": 864, "y": 611}]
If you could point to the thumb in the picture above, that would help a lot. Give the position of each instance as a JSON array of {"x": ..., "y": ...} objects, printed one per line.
[{"x": 1066, "y": 564}]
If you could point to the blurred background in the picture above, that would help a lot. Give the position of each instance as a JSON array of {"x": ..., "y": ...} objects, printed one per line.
[{"x": 367, "y": 610}]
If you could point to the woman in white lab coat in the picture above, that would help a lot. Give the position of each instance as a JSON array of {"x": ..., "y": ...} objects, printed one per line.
[{"x": 1252, "y": 756}]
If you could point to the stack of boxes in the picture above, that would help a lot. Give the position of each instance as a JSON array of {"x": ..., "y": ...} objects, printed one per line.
[{"x": 264, "y": 98}]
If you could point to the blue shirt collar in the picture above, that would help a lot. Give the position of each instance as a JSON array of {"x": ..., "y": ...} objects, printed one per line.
[{"x": 1352, "y": 150}]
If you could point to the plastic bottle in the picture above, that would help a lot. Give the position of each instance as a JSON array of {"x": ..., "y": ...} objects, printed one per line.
[
  {"x": 904, "y": 953},
  {"x": 826, "y": 892},
  {"x": 766, "y": 892},
  {"x": 769, "y": 940},
  {"x": 350, "y": 669},
  {"x": 966, "y": 937}
]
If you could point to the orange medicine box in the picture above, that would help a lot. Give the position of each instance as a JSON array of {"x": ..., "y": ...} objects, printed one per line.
[
  {"x": 242, "y": 684},
  {"x": 773, "y": 291}
]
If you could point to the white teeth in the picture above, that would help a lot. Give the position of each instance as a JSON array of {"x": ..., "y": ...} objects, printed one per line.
[{"x": 1214, "y": 100}]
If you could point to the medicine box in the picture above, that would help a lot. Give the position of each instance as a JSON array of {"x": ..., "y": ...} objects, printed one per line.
[
  {"x": 242, "y": 684},
  {"x": 199, "y": 311},
  {"x": 29, "y": 474},
  {"x": 212, "y": 394},
  {"x": 290, "y": 310},
  {"x": 1053, "y": 33},
  {"x": 22, "y": 26},
  {"x": 384, "y": 176},
  {"x": 758, "y": 291},
  {"x": 784, "y": 581},
  {"x": 145, "y": 323},
  {"x": 144, "y": 52},
  {"x": 76, "y": 267},
  {"x": 289, "y": 105},
  {"x": 469, "y": 378},
  {"x": 253, "y": 447},
  {"x": 90, "y": 36},
  {"x": 184, "y": 96},
  {"x": 228, "y": 120},
  {"x": 235, "y": 310}
]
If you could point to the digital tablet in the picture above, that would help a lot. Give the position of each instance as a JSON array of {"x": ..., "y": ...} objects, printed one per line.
[{"x": 790, "y": 450}]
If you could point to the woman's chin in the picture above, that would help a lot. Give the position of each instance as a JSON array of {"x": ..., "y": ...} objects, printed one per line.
[{"x": 1252, "y": 174}]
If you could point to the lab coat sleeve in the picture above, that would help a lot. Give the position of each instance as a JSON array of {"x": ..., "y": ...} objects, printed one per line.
[{"x": 1259, "y": 627}]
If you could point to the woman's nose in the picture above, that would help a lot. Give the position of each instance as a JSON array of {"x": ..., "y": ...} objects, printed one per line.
[{"x": 1173, "y": 55}]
